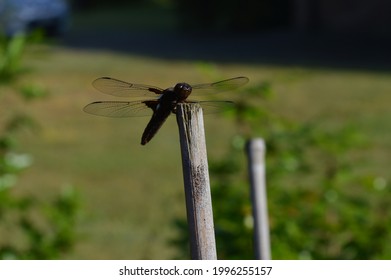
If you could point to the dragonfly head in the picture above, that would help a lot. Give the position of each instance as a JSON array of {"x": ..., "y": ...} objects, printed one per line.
[{"x": 182, "y": 90}]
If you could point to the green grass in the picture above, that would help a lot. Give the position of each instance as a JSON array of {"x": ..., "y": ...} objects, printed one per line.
[{"x": 132, "y": 193}]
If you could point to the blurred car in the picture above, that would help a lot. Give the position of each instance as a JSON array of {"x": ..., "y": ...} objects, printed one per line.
[{"x": 23, "y": 16}]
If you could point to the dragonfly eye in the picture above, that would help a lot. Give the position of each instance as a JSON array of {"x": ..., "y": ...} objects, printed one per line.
[{"x": 182, "y": 87}]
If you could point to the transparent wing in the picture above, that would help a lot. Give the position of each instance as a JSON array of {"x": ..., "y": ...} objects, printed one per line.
[
  {"x": 222, "y": 86},
  {"x": 120, "y": 109},
  {"x": 214, "y": 107},
  {"x": 124, "y": 89}
]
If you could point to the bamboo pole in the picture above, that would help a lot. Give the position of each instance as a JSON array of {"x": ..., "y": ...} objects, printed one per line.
[
  {"x": 256, "y": 161},
  {"x": 196, "y": 181}
]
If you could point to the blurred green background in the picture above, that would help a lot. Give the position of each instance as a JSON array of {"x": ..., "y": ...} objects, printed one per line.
[{"x": 77, "y": 186}]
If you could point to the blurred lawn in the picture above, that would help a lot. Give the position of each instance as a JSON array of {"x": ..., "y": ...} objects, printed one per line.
[{"x": 131, "y": 193}]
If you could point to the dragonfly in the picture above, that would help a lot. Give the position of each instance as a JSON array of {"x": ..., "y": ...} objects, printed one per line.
[{"x": 161, "y": 103}]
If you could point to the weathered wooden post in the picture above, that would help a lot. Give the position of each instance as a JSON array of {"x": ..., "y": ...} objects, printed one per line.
[
  {"x": 196, "y": 181},
  {"x": 256, "y": 162}
]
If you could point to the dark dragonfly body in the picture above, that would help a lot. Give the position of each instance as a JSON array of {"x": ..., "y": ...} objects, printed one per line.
[
  {"x": 165, "y": 106},
  {"x": 161, "y": 107}
]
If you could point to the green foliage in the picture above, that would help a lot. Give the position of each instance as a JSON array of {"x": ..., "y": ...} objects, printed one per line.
[
  {"x": 320, "y": 205},
  {"x": 29, "y": 229},
  {"x": 33, "y": 230},
  {"x": 32, "y": 92},
  {"x": 11, "y": 50}
]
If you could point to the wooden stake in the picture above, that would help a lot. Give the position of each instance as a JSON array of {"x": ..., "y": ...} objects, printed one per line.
[
  {"x": 196, "y": 181},
  {"x": 256, "y": 161}
]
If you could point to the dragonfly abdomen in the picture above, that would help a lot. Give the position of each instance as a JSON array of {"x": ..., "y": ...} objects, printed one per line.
[{"x": 156, "y": 122}]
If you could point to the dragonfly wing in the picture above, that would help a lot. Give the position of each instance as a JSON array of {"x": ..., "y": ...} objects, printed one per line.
[
  {"x": 213, "y": 107},
  {"x": 221, "y": 86},
  {"x": 121, "y": 109},
  {"x": 124, "y": 89}
]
